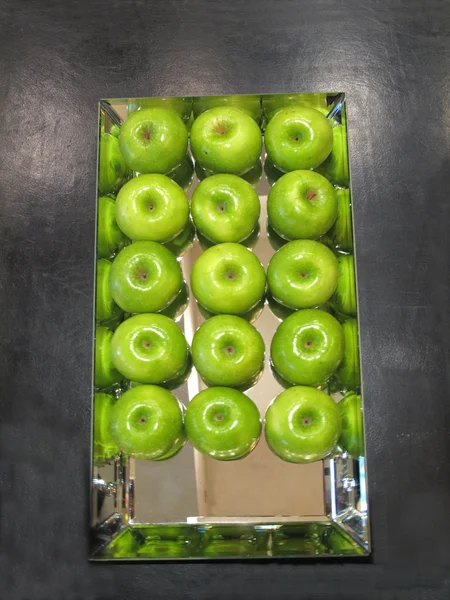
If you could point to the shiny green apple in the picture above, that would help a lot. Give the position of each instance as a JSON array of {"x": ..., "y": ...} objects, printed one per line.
[
  {"x": 145, "y": 277},
  {"x": 301, "y": 205},
  {"x": 348, "y": 372},
  {"x": 105, "y": 375},
  {"x": 228, "y": 279},
  {"x": 272, "y": 103},
  {"x": 153, "y": 140},
  {"x": 352, "y": 436},
  {"x": 253, "y": 176},
  {"x": 298, "y": 137},
  {"x": 302, "y": 425},
  {"x": 109, "y": 236},
  {"x": 250, "y": 104},
  {"x": 228, "y": 351},
  {"x": 307, "y": 347},
  {"x": 104, "y": 447},
  {"x": 335, "y": 167},
  {"x": 105, "y": 306},
  {"x": 112, "y": 170},
  {"x": 153, "y": 208},
  {"x": 149, "y": 348},
  {"x": 226, "y": 140},
  {"x": 147, "y": 422},
  {"x": 344, "y": 298},
  {"x": 302, "y": 274},
  {"x": 225, "y": 208},
  {"x": 181, "y": 105},
  {"x": 223, "y": 423}
]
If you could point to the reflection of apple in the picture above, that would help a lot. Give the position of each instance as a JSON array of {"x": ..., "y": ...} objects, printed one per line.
[
  {"x": 348, "y": 372},
  {"x": 109, "y": 237},
  {"x": 280, "y": 311},
  {"x": 184, "y": 173},
  {"x": 182, "y": 106},
  {"x": 302, "y": 425},
  {"x": 145, "y": 278},
  {"x": 147, "y": 422},
  {"x": 179, "y": 305},
  {"x": 104, "y": 447},
  {"x": 251, "y": 315},
  {"x": 153, "y": 140},
  {"x": 250, "y": 104},
  {"x": 298, "y": 138},
  {"x": 152, "y": 207},
  {"x": 352, "y": 436},
  {"x": 149, "y": 348},
  {"x": 105, "y": 307},
  {"x": 225, "y": 208},
  {"x": 301, "y": 205},
  {"x": 335, "y": 167},
  {"x": 302, "y": 274},
  {"x": 271, "y": 172},
  {"x": 223, "y": 423},
  {"x": 272, "y": 103},
  {"x": 184, "y": 240},
  {"x": 176, "y": 449},
  {"x": 115, "y": 130},
  {"x": 275, "y": 240},
  {"x": 252, "y": 176},
  {"x": 307, "y": 347},
  {"x": 228, "y": 351},
  {"x": 226, "y": 140},
  {"x": 344, "y": 298},
  {"x": 228, "y": 279},
  {"x": 105, "y": 375},
  {"x": 112, "y": 170},
  {"x": 340, "y": 236}
]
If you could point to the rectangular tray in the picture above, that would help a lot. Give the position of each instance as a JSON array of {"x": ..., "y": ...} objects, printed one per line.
[{"x": 191, "y": 506}]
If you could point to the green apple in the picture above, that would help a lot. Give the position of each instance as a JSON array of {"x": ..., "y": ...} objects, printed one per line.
[
  {"x": 112, "y": 170},
  {"x": 105, "y": 375},
  {"x": 344, "y": 298},
  {"x": 340, "y": 236},
  {"x": 253, "y": 176},
  {"x": 302, "y": 274},
  {"x": 298, "y": 138},
  {"x": 228, "y": 279},
  {"x": 352, "y": 436},
  {"x": 184, "y": 240},
  {"x": 226, "y": 140},
  {"x": 145, "y": 277},
  {"x": 147, "y": 422},
  {"x": 271, "y": 172},
  {"x": 228, "y": 351},
  {"x": 307, "y": 347},
  {"x": 225, "y": 208},
  {"x": 152, "y": 208},
  {"x": 301, "y": 205},
  {"x": 184, "y": 173},
  {"x": 179, "y": 305},
  {"x": 179, "y": 445},
  {"x": 109, "y": 237},
  {"x": 251, "y": 316},
  {"x": 335, "y": 167},
  {"x": 250, "y": 104},
  {"x": 104, "y": 447},
  {"x": 105, "y": 306},
  {"x": 348, "y": 372},
  {"x": 272, "y": 103},
  {"x": 153, "y": 140},
  {"x": 249, "y": 242},
  {"x": 181, "y": 105},
  {"x": 115, "y": 130},
  {"x": 223, "y": 423},
  {"x": 302, "y": 425},
  {"x": 149, "y": 348}
]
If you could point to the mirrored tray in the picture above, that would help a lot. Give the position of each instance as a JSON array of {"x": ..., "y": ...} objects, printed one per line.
[{"x": 191, "y": 506}]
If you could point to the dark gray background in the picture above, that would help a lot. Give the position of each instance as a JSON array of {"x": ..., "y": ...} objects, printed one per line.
[{"x": 56, "y": 60}]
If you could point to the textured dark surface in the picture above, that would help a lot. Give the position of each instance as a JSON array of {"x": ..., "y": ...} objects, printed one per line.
[{"x": 56, "y": 60}]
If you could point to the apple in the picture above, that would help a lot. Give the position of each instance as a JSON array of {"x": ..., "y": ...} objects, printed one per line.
[
  {"x": 272, "y": 103},
  {"x": 105, "y": 375},
  {"x": 340, "y": 236},
  {"x": 307, "y": 347},
  {"x": 335, "y": 167},
  {"x": 252, "y": 176},
  {"x": 153, "y": 140},
  {"x": 105, "y": 306},
  {"x": 149, "y": 348},
  {"x": 223, "y": 423},
  {"x": 301, "y": 205},
  {"x": 145, "y": 277},
  {"x": 112, "y": 170},
  {"x": 302, "y": 274},
  {"x": 152, "y": 208},
  {"x": 181, "y": 105},
  {"x": 147, "y": 422},
  {"x": 251, "y": 316},
  {"x": 344, "y": 298},
  {"x": 298, "y": 137},
  {"x": 179, "y": 445},
  {"x": 226, "y": 140},
  {"x": 184, "y": 173},
  {"x": 249, "y": 242},
  {"x": 228, "y": 351},
  {"x": 109, "y": 237},
  {"x": 115, "y": 130},
  {"x": 176, "y": 308},
  {"x": 228, "y": 279},
  {"x": 250, "y": 104},
  {"x": 104, "y": 447},
  {"x": 184, "y": 240},
  {"x": 302, "y": 425},
  {"x": 225, "y": 208},
  {"x": 271, "y": 172},
  {"x": 348, "y": 372},
  {"x": 352, "y": 436}
]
